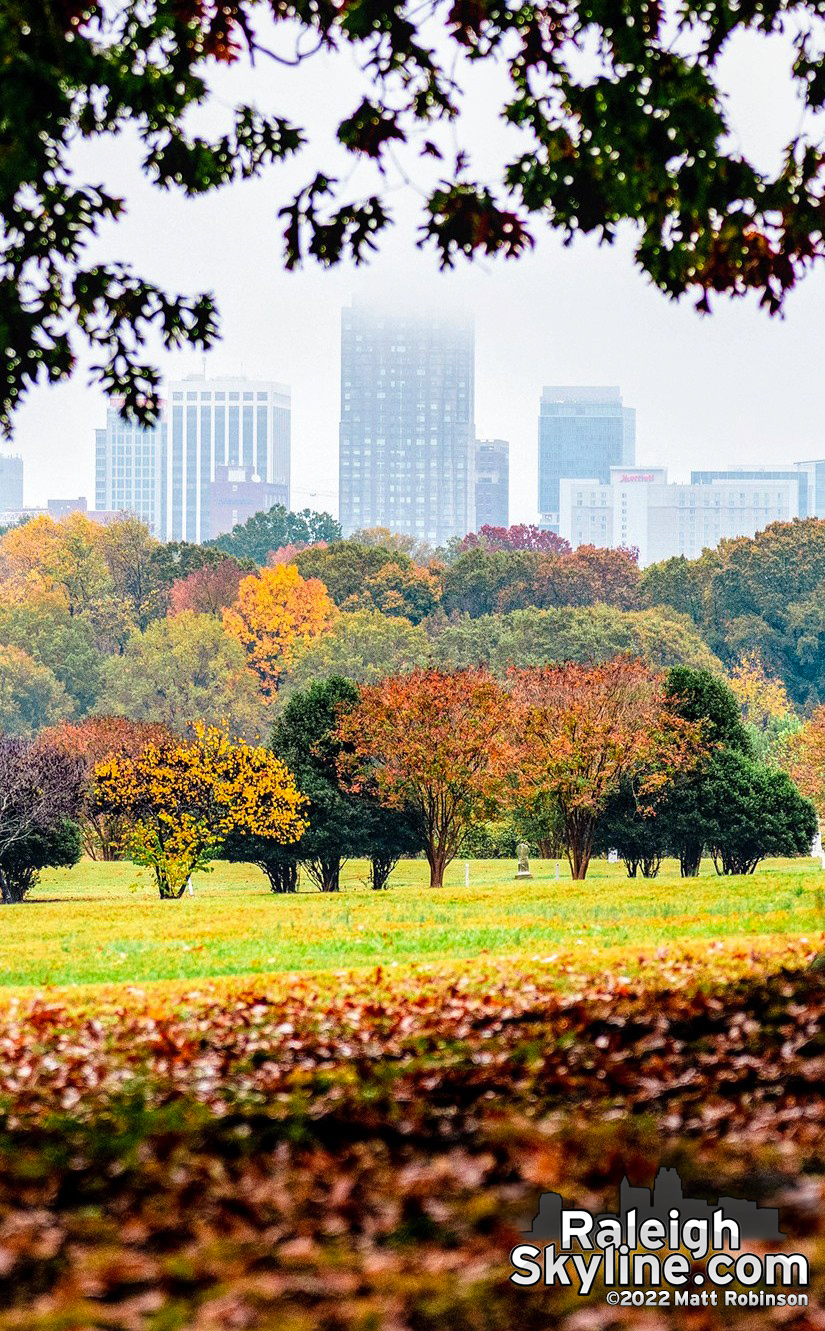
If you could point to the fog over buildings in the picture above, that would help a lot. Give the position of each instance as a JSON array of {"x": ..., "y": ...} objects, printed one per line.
[{"x": 736, "y": 388}]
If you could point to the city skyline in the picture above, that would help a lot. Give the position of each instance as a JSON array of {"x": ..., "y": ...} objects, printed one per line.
[{"x": 412, "y": 370}]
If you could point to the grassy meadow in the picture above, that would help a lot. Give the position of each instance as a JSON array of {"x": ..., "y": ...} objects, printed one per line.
[
  {"x": 308, "y": 1113},
  {"x": 102, "y": 924}
]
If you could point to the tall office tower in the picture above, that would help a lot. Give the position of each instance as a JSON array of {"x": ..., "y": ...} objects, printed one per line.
[
  {"x": 407, "y": 437},
  {"x": 582, "y": 432},
  {"x": 492, "y": 483},
  {"x": 128, "y": 467},
  {"x": 216, "y": 424},
  {"x": 11, "y": 482}
]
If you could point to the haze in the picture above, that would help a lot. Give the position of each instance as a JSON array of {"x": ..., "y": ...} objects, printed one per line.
[{"x": 735, "y": 388}]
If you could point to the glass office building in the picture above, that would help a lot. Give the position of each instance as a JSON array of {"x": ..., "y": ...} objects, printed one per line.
[
  {"x": 407, "y": 435},
  {"x": 583, "y": 431},
  {"x": 11, "y": 482},
  {"x": 492, "y": 483},
  {"x": 217, "y": 423},
  {"x": 128, "y": 467}
]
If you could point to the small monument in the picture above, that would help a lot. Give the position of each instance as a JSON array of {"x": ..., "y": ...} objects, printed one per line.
[{"x": 523, "y": 852}]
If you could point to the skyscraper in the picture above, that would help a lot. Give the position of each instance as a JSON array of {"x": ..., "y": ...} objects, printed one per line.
[
  {"x": 236, "y": 423},
  {"x": 11, "y": 482},
  {"x": 583, "y": 432},
  {"x": 407, "y": 437},
  {"x": 128, "y": 467},
  {"x": 492, "y": 483}
]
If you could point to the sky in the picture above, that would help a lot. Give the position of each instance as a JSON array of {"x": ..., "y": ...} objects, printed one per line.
[{"x": 734, "y": 388}]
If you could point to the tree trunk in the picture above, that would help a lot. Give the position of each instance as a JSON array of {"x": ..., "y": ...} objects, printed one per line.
[
  {"x": 690, "y": 859},
  {"x": 632, "y": 867},
  {"x": 651, "y": 866},
  {"x": 282, "y": 877},
  {"x": 326, "y": 872},
  {"x": 437, "y": 860},
  {"x": 381, "y": 866}
]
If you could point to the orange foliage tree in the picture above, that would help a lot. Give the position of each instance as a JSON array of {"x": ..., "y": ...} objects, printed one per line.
[
  {"x": 92, "y": 741},
  {"x": 433, "y": 743},
  {"x": 806, "y": 759},
  {"x": 582, "y": 730},
  {"x": 276, "y": 612},
  {"x": 181, "y": 800}
]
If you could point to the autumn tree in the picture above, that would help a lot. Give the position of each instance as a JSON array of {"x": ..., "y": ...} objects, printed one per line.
[
  {"x": 31, "y": 696},
  {"x": 183, "y": 798},
  {"x": 343, "y": 822},
  {"x": 588, "y": 575},
  {"x": 400, "y": 589},
  {"x": 276, "y": 612},
  {"x": 806, "y": 759},
  {"x": 267, "y": 532},
  {"x": 767, "y": 590},
  {"x": 41, "y": 788},
  {"x": 521, "y": 536},
  {"x": 36, "y": 619},
  {"x": 92, "y": 741},
  {"x": 208, "y": 590},
  {"x": 587, "y": 634},
  {"x": 585, "y": 730},
  {"x": 345, "y": 567},
  {"x": 363, "y": 646},
  {"x": 184, "y": 669},
  {"x": 436, "y": 744}
]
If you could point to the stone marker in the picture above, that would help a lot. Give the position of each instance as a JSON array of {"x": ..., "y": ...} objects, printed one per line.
[{"x": 523, "y": 851}]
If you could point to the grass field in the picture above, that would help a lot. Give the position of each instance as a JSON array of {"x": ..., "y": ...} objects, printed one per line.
[
  {"x": 307, "y": 1113},
  {"x": 103, "y": 924}
]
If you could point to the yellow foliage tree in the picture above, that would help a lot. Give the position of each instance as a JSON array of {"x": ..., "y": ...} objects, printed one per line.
[
  {"x": 276, "y": 612},
  {"x": 183, "y": 799},
  {"x": 763, "y": 699}
]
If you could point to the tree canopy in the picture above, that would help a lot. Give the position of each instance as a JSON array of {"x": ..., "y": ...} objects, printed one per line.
[{"x": 643, "y": 136}]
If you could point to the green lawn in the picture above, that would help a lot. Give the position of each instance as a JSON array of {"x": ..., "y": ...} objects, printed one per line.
[{"x": 101, "y": 923}]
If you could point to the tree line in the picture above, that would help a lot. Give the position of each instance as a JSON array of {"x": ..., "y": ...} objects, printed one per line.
[
  {"x": 588, "y": 758},
  {"x": 105, "y": 620}
]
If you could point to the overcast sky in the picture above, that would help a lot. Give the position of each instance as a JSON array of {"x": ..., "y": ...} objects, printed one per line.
[{"x": 734, "y": 388}]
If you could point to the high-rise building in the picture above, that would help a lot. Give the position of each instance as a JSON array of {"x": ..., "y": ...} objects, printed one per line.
[
  {"x": 492, "y": 483},
  {"x": 11, "y": 482},
  {"x": 708, "y": 475},
  {"x": 407, "y": 436},
  {"x": 237, "y": 423},
  {"x": 129, "y": 460},
  {"x": 814, "y": 473},
  {"x": 639, "y": 508},
  {"x": 582, "y": 432}
]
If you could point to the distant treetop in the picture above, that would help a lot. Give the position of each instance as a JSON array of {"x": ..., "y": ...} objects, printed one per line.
[
  {"x": 523, "y": 536},
  {"x": 265, "y": 533}
]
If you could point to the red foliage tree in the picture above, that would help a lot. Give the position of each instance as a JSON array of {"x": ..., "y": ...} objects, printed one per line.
[
  {"x": 433, "y": 743},
  {"x": 589, "y": 575},
  {"x": 522, "y": 536},
  {"x": 93, "y": 741},
  {"x": 207, "y": 590},
  {"x": 583, "y": 730}
]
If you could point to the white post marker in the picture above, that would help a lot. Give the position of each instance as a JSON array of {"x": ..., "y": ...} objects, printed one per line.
[
  {"x": 466, "y": 873},
  {"x": 189, "y": 887},
  {"x": 816, "y": 849}
]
